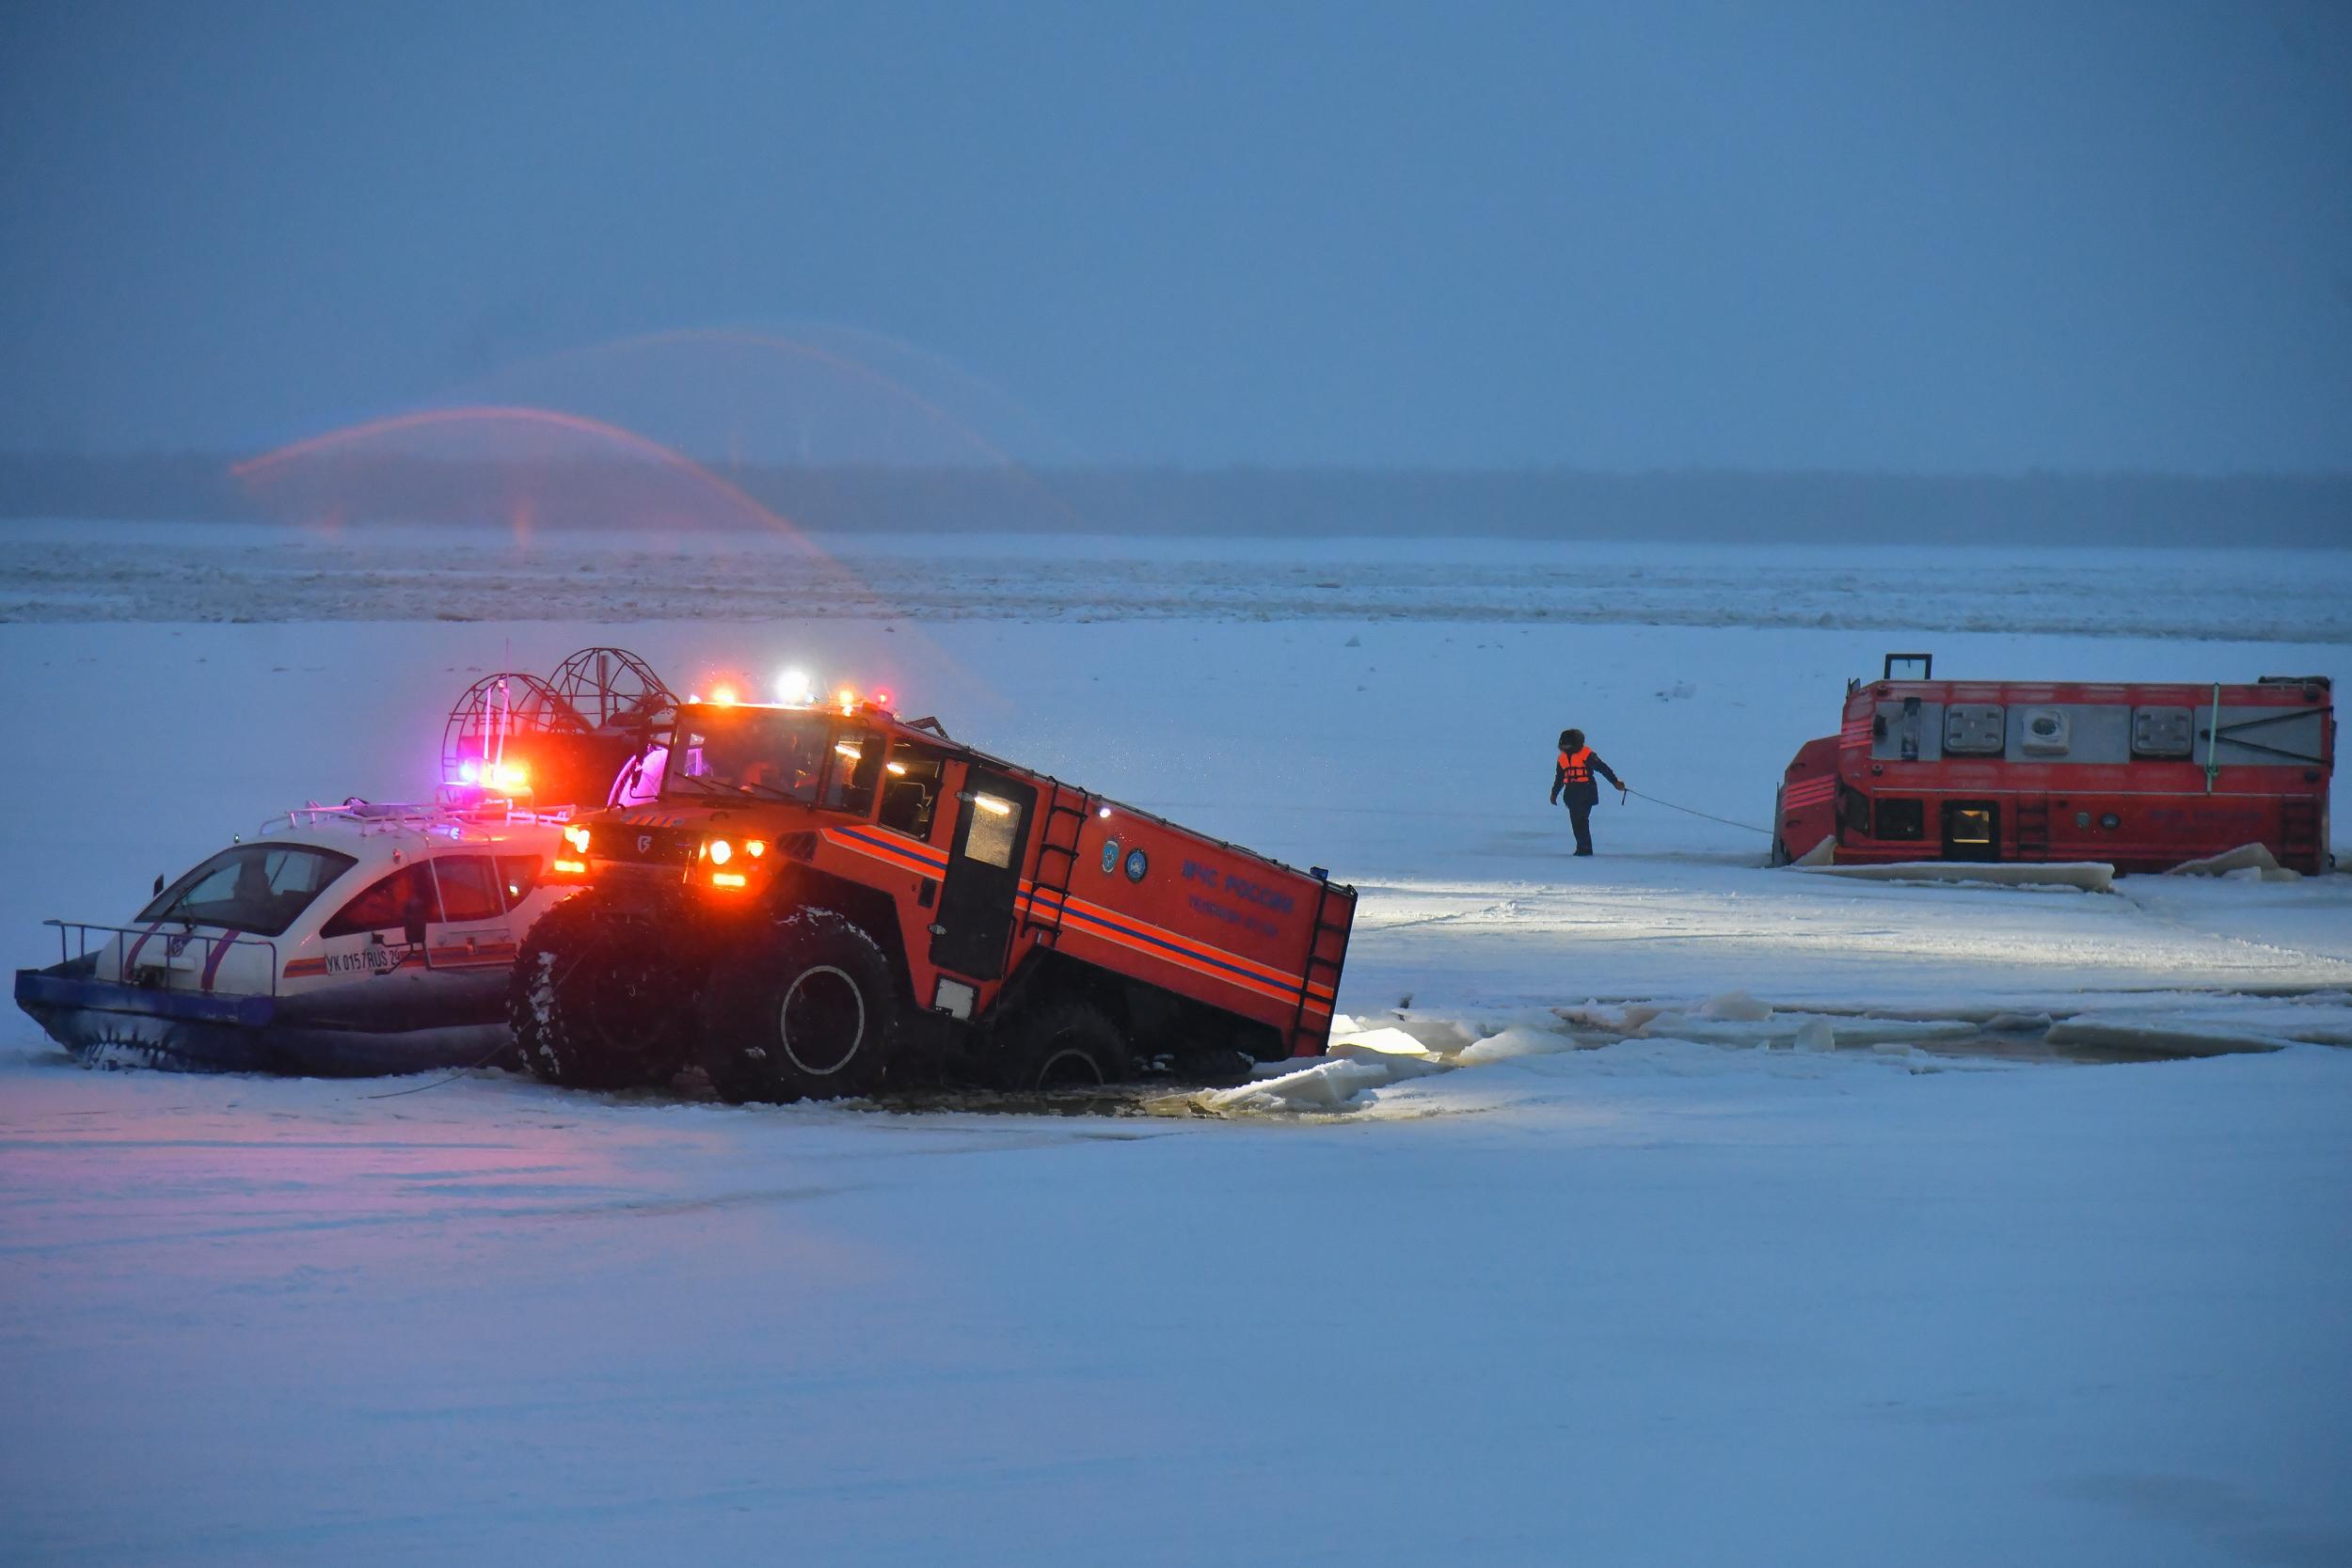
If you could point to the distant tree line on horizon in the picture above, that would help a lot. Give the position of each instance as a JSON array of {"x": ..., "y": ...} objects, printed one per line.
[{"x": 1818, "y": 507}]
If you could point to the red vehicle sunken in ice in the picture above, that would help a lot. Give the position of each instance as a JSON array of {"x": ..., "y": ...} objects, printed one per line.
[
  {"x": 809, "y": 899},
  {"x": 2140, "y": 776}
]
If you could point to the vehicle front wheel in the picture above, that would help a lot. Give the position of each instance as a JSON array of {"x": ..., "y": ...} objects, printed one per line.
[
  {"x": 804, "y": 1010},
  {"x": 596, "y": 1000},
  {"x": 1068, "y": 1044}
]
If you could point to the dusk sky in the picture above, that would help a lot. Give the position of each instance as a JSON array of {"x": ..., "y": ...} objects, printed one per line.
[{"x": 1973, "y": 237}]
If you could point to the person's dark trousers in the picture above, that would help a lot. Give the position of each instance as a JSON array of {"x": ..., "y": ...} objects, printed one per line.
[{"x": 1579, "y": 803}]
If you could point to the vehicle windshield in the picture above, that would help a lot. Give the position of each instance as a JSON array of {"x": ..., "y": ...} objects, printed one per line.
[
  {"x": 764, "y": 753},
  {"x": 261, "y": 888}
]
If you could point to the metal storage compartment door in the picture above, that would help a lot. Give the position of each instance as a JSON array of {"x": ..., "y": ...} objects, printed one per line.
[
  {"x": 1975, "y": 729},
  {"x": 2161, "y": 732},
  {"x": 973, "y": 926}
]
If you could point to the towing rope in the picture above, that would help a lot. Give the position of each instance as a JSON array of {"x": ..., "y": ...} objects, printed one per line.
[
  {"x": 1688, "y": 811},
  {"x": 454, "y": 1075}
]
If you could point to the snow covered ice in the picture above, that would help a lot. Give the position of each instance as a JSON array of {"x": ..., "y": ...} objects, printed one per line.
[{"x": 1657, "y": 1208}]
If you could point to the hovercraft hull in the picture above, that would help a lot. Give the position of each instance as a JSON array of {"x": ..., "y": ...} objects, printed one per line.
[{"x": 105, "y": 1023}]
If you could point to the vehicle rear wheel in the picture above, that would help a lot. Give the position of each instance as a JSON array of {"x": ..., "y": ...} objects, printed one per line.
[
  {"x": 596, "y": 1000},
  {"x": 1067, "y": 1043},
  {"x": 804, "y": 1010}
]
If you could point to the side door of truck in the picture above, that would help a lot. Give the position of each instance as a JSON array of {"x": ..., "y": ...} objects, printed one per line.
[{"x": 973, "y": 928}]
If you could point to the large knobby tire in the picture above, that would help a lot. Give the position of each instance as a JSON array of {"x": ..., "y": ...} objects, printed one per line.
[
  {"x": 803, "y": 1008},
  {"x": 1067, "y": 1043},
  {"x": 596, "y": 1001}
]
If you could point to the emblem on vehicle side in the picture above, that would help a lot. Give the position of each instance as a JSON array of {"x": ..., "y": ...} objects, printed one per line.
[{"x": 645, "y": 844}]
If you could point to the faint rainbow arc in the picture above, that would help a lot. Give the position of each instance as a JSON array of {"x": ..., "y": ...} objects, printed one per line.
[
  {"x": 519, "y": 414},
  {"x": 778, "y": 343},
  {"x": 258, "y": 467}
]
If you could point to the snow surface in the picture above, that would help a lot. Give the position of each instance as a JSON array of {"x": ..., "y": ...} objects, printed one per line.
[{"x": 1662, "y": 1209}]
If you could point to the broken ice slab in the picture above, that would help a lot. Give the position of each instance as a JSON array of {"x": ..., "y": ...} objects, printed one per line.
[
  {"x": 2087, "y": 876},
  {"x": 1846, "y": 1031},
  {"x": 2247, "y": 862},
  {"x": 1334, "y": 1083},
  {"x": 2154, "y": 1036}
]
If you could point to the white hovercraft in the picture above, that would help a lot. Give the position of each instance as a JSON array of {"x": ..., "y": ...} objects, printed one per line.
[{"x": 361, "y": 937}]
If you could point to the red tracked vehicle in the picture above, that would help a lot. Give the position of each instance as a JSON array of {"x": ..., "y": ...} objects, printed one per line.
[
  {"x": 2141, "y": 776},
  {"x": 809, "y": 899}
]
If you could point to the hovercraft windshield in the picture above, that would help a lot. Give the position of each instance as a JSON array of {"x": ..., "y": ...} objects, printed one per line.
[{"x": 258, "y": 888}]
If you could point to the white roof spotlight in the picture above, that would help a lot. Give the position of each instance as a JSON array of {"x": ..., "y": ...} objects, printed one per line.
[{"x": 797, "y": 687}]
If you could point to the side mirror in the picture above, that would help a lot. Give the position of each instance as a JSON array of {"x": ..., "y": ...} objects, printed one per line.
[
  {"x": 412, "y": 923},
  {"x": 159, "y": 884}
]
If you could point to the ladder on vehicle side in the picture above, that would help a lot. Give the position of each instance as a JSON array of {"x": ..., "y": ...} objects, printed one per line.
[
  {"x": 2033, "y": 826},
  {"x": 2298, "y": 836},
  {"x": 1327, "y": 955},
  {"x": 1057, "y": 862}
]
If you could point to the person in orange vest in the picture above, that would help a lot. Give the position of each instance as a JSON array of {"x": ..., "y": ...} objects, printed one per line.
[{"x": 1573, "y": 779}]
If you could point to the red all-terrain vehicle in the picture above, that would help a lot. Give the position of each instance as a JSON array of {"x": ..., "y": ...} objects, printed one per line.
[
  {"x": 810, "y": 899},
  {"x": 2140, "y": 775}
]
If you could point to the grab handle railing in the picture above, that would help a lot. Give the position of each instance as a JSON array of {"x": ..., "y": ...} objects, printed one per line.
[{"x": 129, "y": 941}]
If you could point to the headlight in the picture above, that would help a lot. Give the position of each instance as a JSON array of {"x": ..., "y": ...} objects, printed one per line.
[
  {"x": 721, "y": 851},
  {"x": 576, "y": 837}
]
